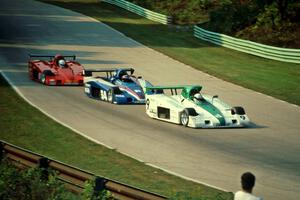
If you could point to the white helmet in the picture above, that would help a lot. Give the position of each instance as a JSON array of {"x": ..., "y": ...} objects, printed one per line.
[
  {"x": 198, "y": 96},
  {"x": 62, "y": 63}
]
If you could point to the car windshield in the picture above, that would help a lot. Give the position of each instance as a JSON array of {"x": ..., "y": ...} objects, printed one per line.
[
  {"x": 127, "y": 80},
  {"x": 122, "y": 73},
  {"x": 198, "y": 97}
]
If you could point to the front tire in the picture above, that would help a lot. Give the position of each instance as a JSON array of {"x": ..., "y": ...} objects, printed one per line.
[
  {"x": 44, "y": 76},
  {"x": 238, "y": 110},
  {"x": 184, "y": 118}
]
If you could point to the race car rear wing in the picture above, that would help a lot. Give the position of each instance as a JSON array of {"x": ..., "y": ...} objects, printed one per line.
[
  {"x": 185, "y": 89},
  {"x": 109, "y": 72},
  {"x": 50, "y": 56},
  {"x": 160, "y": 89}
]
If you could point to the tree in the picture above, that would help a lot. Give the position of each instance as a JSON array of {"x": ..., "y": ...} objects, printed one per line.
[{"x": 282, "y": 6}]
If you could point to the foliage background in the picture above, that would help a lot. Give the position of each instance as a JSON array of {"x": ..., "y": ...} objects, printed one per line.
[{"x": 273, "y": 22}]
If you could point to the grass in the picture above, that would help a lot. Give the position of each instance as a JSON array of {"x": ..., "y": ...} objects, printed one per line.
[
  {"x": 277, "y": 79},
  {"x": 25, "y": 126}
]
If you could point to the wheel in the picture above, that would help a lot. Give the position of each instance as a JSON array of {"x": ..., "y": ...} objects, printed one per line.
[
  {"x": 43, "y": 78},
  {"x": 110, "y": 96},
  {"x": 95, "y": 93},
  {"x": 44, "y": 75},
  {"x": 238, "y": 110},
  {"x": 35, "y": 74},
  {"x": 184, "y": 118}
]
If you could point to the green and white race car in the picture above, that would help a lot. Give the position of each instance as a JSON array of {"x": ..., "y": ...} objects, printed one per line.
[{"x": 187, "y": 106}]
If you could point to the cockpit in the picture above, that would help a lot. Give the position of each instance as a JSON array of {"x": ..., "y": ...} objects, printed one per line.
[{"x": 126, "y": 79}]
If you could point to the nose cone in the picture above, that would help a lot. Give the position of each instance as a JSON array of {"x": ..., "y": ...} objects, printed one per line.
[
  {"x": 138, "y": 91},
  {"x": 141, "y": 94},
  {"x": 66, "y": 72}
]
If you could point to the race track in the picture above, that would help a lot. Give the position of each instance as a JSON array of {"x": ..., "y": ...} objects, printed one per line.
[{"x": 269, "y": 148}]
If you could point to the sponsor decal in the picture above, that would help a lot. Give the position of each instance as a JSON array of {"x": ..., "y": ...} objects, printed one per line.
[{"x": 103, "y": 95}]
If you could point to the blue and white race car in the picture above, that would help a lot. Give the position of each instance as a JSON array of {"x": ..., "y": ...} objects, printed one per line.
[{"x": 118, "y": 86}]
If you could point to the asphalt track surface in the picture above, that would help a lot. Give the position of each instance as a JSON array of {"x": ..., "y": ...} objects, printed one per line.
[{"x": 269, "y": 148}]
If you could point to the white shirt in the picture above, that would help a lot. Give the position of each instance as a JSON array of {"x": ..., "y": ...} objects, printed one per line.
[{"x": 241, "y": 195}]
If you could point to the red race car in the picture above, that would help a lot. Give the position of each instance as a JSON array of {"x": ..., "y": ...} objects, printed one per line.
[{"x": 56, "y": 70}]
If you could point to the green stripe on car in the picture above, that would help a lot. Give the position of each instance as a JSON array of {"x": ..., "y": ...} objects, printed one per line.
[{"x": 212, "y": 110}]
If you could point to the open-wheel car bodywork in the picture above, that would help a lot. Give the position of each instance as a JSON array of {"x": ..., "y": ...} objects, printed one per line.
[
  {"x": 187, "y": 106},
  {"x": 56, "y": 70},
  {"x": 118, "y": 86}
]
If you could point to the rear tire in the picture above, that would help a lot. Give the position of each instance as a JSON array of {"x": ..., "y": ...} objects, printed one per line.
[
  {"x": 184, "y": 117},
  {"x": 95, "y": 93},
  {"x": 34, "y": 75}
]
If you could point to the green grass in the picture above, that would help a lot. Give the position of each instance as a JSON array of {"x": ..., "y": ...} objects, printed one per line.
[
  {"x": 278, "y": 79},
  {"x": 25, "y": 126}
]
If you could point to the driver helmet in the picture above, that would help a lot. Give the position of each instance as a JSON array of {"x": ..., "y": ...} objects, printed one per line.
[
  {"x": 125, "y": 77},
  {"x": 62, "y": 63},
  {"x": 198, "y": 97}
]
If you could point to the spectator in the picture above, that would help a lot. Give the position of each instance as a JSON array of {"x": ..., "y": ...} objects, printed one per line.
[{"x": 247, "y": 182}]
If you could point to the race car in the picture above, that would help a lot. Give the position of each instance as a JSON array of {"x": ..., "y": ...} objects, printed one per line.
[
  {"x": 56, "y": 70},
  {"x": 117, "y": 86},
  {"x": 186, "y": 105}
]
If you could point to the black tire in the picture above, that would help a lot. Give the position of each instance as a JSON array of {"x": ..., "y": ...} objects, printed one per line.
[
  {"x": 238, "y": 110},
  {"x": 184, "y": 117},
  {"x": 95, "y": 92},
  {"x": 35, "y": 74},
  {"x": 191, "y": 111},
  {"x": 44, "y": 75}
]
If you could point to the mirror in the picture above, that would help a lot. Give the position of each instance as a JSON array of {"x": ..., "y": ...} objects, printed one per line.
[{"x": 215, "y": 96}]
